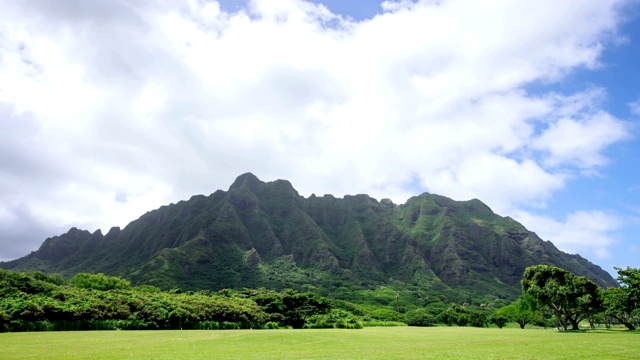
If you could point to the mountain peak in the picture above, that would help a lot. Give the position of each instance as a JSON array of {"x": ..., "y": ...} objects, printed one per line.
[{"x": 246, "y": 180}]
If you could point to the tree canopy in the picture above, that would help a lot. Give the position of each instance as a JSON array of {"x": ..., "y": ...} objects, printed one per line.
[
  {"x": 99, "y": 282},
  {"x": 569, "y": 297},
  {"x": 623, "y": 303}
]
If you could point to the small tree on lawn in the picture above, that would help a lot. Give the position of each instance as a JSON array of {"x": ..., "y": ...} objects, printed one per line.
[
  {"x": 499, "y": 319},
  {"x": 522, "y": 311}
]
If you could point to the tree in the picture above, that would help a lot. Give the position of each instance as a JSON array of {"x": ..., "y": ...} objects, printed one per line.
[
  {"x": 476, "y": 318},
  {"x": 452, "y": 315},
  {"x": 498, "y": 319},
  {"x": 387, "y": 315},
  {"x": 522, "y": 311},
  {"x": 297, "y": 307},
  {"x": 419, "y": 317},
  {"x": 623, "y": 303},
  {"x": 4, "y": 319},
  {"x": 629, "y": 280},
  {"x": 571, "y": 298},
  {"x": 461, "y": 316},
  {"x": 99, "y": 282}
]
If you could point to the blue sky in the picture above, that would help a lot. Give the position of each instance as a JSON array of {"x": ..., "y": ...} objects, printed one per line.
[{"x": 113, "y": 109}]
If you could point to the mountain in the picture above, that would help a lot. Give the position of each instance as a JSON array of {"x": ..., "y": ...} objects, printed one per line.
[{"x": 264, "y": 234}]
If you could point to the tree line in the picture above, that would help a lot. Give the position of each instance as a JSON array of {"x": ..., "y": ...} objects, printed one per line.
[
  {"x": 551, "y": 296},
  {"x": 36, "y": 301}
]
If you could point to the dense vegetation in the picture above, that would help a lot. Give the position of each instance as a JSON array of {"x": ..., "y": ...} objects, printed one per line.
[
  {"x": 38, "y": 302},
  {"x": 431, "y": 251},
  {"x": 35, "y": 301}
]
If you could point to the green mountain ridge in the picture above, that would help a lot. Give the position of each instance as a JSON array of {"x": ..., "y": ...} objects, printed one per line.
[{"x": 264, "y": 234}]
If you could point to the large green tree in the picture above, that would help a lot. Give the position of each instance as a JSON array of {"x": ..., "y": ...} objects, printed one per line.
[
  {"x": 299, "y": 306},
  {"x": 289, "y": 307},
  {"x": 569, "y": 297},
  {"x": 623, "y": 303}
]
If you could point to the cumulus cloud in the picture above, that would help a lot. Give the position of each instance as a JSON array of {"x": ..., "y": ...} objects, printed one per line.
[
  {"x": 581, "y": 133},
  {"x": 118, "y": 107},
  {"x": 583, "y": 232}
]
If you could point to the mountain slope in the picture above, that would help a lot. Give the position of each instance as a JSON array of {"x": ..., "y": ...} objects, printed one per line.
[{"x": 266, "y": 234}]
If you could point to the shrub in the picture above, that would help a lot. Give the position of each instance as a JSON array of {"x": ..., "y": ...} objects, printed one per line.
[
  {"x": 227, "y": 325},
  {"x": 419, "y": 317},
  {"x": 335, "y": 319},
  {"x": 387, "y": 315},
  {"x": 272, "y": 325},
  {"x": 99, "y": 282}
]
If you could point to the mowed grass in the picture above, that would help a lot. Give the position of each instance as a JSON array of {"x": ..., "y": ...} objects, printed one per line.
[{"x": 368, "y": 343}]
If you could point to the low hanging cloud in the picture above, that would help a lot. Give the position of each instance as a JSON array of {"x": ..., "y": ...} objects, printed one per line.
[{"x": 113, "y": 108}]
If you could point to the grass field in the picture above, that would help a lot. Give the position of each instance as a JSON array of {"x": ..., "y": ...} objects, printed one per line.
[{"x": 368, "y": 343}]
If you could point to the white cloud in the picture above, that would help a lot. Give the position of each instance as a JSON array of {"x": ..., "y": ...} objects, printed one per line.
[
  {"x": 154, "y": 103},
  {"x": 581, "y": 140},
  {"x": 584, "y": 232},
  {"x": 393, "y": 6}
]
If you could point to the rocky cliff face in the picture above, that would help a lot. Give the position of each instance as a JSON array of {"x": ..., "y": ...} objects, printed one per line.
[{"x": 266, "y": 234}]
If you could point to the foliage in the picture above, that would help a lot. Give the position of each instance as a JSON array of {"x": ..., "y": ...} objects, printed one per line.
[
  {"x": 30, "y": 304},
  {"x": 289, "y": 307},
  {"x": 419, "y": 317},
  {"x": 147, "y": 288},
  {"x": 619, "y": 306},
  {"x": 298, "y": 307},
  {"x": 39, "y": 302},
  {"x": 334, "y": 319},
  {"x": 462, "y": 316},
  {"x": 387, "y": 315},
  {"x": 571, "y": 298},
  {"x": 623, "y": 303},
  {"x": 522, "y": 311},
  {"x": 476, "y": 318},
  {"x": 498, "y": 319},
  {"x": 99, "y": 282}
]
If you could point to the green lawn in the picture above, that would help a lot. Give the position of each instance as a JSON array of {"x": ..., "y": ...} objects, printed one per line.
[{"x": 369, "y": 343}]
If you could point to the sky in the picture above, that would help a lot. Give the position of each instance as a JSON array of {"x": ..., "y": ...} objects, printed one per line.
[{"x": 112, "y": 108}]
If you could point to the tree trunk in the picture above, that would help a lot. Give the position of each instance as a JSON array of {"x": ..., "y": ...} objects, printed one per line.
[
  {"x": 561, "y": 319},
  {"x": 629, "y": 325},
  {"x": 574, "y": 324},
  {"x": 562, "y": 323}
]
